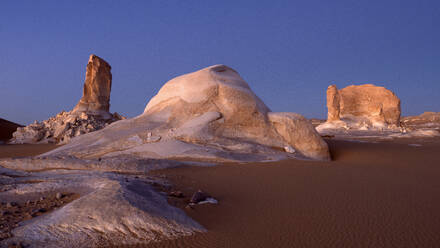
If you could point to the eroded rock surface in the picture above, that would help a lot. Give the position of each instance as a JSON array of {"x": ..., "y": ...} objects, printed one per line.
[
  {"x": 427, "y": 119},
  {"x": 426, "y": 124},
  {"x": 97, "y": 88},
  {"x": 361, "y": 107},
  {"x": 211, "y": 114},
  {"x": 61, "y": 128},
  {"x": 90, "y": 114},
  {"x": 333, "y": 103},
  {"x": 113, "y": 209}
]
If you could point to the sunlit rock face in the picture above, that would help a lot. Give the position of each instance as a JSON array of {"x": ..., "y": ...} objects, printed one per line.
[
  {"x": 211, "y": 114},
  {"x": 90, "y": 114},
  {"x": 333, "y": 103},
  {"x": 97, "y": 88},
  {"x": 361, "y": 107}
]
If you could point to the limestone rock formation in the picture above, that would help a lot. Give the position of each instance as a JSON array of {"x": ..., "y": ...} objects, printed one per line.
[
  {"x": 97, "y": 87},
  {"x": 90, "y": 114},
  {"x": 333, "y": 103},
  {"x": 113, "y": 210},
  {"x": 211, "y": 115},
  {"x": 425, "y": 120},
  {"x": 362, "y": 107}
]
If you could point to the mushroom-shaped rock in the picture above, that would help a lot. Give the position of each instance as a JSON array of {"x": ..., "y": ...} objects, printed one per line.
[{"x": 211, "y": 114}]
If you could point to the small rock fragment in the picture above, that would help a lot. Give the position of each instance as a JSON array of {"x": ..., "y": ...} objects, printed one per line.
[
  {"x": 177, "y": 194},
  {"x": 59, "y": 195},
  {"x": 289, "y": 149},
  {"x": 199, "y": 196},
  {"x": 209, "y": 200}
]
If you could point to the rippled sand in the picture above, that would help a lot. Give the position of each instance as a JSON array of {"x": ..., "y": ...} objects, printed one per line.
[{"x": 372, "y": 195}]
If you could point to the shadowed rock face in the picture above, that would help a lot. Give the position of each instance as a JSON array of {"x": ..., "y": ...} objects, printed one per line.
[
  {"x": 211, "y": 114},
  {"x": 369, "y": 102},
  {"x": 7, "y": 128},
  {"x": 97, "y": 87}
]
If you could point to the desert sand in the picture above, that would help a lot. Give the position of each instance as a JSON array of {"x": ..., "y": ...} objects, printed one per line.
[
  {"x": 24, "y": 150},
  {"x": 276, "y": 181},
  {"x": 372, "y": 195}
]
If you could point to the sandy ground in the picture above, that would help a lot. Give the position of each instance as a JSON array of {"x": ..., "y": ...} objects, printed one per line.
[
  {"x": 14, "y": 211},
  {"x": 371, "y": 195},
  {"x": 24, "y": 150},
  {"x": 383, "y": 194}
]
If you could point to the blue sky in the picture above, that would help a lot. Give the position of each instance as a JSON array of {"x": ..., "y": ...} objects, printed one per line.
[{"x": 288, "y": 51}]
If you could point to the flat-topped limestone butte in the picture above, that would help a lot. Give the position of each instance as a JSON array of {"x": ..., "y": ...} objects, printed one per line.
[
  {"x": 361, "y": 107},
  {"x": 97, "y": 88},
  {"x": 210, "y": 115},
  {"x": 90, "y": 114}
]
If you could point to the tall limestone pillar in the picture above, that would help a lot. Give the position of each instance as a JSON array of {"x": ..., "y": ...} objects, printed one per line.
[
  {"x": 333, "y": 103},
  {"x": 97, "y": 87}
]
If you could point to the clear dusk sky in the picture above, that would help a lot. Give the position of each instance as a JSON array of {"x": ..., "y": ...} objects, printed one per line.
[{"x": 288, "y": 51}]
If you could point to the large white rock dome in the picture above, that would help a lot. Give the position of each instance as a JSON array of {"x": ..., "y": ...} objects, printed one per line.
[{"x": 210, "y": 115}]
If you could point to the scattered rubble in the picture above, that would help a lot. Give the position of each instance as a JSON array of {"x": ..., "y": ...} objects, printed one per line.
[{"x": 13, "y": 213}]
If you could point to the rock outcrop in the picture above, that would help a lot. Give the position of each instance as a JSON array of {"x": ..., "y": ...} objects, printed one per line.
[
  {"x": 90, "y": 114},
  {"x": 333, "y": 103},
  {"x": 425, "y": 120},
  {"x": 97, "y": 88},
  {"x": 113, "y": 209},
  {"x": 362, "y": 107},
  {"x": 210, "y": 115}
]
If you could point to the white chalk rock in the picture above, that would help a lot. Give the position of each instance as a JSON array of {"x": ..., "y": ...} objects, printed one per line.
[{"x": 210, "y": 114}]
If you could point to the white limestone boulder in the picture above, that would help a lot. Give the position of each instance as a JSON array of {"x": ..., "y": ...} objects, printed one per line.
[{"x": 211, "y": 115}]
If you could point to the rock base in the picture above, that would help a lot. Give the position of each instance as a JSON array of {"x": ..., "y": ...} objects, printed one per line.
[{"x": 61, "y": 128}]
